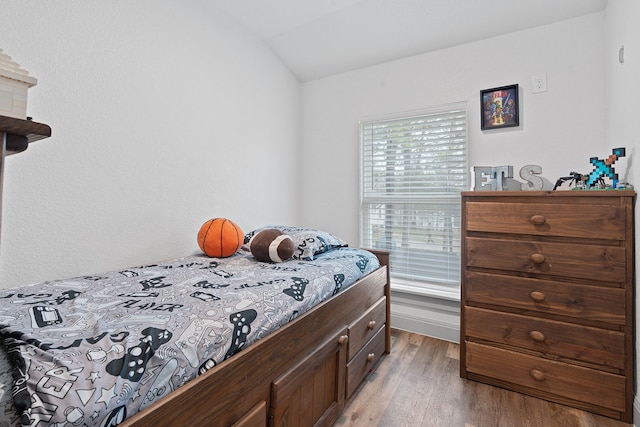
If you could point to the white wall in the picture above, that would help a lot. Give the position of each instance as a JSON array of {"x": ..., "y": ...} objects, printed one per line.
[
  {"x": 560, "y": 129},
  {"x": 623, "y": 92},
  {"x": 622, "y": 82},
  {"x": 164, "y": 115}
]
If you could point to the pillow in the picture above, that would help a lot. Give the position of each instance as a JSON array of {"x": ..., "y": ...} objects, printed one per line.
[{"x": 308, "y": 242}]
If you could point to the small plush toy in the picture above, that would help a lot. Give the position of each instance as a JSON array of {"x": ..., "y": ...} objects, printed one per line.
[
  {"x": 220, "y": 238},
  {"x": 272, "y": 245}
]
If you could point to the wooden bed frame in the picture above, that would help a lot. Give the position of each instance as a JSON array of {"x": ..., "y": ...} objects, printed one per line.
[{"x": 301, "y": 375}]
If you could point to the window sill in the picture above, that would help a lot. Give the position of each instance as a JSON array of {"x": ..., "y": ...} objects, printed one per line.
[{"x": 428, "y": 290}]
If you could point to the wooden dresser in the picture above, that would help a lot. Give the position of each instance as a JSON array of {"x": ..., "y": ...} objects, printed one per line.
[{"x": 547, "y": 295}]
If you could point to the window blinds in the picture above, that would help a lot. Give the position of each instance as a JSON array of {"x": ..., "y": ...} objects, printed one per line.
[{"x": 413, "y": 170}]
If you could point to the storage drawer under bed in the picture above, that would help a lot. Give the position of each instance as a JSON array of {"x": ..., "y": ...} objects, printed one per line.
[
  {"x": 363, "y": 362},
  {"x": 365, "y": 327}
]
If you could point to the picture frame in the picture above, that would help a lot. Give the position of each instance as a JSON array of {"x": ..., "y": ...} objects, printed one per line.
[{"x": 499, "y": 107}]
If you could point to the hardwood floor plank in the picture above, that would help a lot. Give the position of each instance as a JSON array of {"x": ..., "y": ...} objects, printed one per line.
[
  {"x": 419, "y": 384},
  {"x": 414, "y": 392}
]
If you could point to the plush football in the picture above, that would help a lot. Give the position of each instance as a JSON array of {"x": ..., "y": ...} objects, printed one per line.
[
  {"x": 220, "y": 238},
  {"x": 272, "y": 245}
]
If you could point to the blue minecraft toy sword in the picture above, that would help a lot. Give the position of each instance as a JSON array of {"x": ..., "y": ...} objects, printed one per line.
[{"x": 604, "y": 167}]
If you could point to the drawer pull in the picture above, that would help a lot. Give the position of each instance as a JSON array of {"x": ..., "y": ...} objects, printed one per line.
[
  {"x": 371, "y": 324},
  {"x": 537, "y": 296},
  {"x": 537, "y": 336},
  {"x": 371, "y": 357},
  {"x": 537, "y": 258},
  {"x": 538, "y": 219},
  {"x": 343, "y": 339},
  {"x": 537, "y": 375}
]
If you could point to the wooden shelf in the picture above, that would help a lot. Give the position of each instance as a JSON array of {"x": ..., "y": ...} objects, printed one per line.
[
  {"x": 33, "y": 131},
  {"x": 19, "y": 134}
]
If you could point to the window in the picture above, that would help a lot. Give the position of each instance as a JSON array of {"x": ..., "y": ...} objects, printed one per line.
[{"x": 413, "y": 170}]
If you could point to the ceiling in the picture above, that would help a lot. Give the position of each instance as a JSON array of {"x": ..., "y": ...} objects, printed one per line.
[{"x": 319, "y": 38}]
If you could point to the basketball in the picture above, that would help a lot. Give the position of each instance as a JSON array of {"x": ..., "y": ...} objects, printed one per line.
[{"x": 220, "y": 238}]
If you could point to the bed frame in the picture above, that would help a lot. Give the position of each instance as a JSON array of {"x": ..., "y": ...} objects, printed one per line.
[{"x": 328, "y": 351}]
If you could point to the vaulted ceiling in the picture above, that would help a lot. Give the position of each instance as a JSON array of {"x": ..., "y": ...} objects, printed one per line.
[{"x": 318, "y": 38}]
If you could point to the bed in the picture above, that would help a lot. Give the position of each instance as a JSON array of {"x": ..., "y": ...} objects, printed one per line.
[{"x": 198, "y": 340}]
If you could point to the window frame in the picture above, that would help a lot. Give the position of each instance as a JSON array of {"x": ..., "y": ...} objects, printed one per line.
[{"x": 446, "y": 289}]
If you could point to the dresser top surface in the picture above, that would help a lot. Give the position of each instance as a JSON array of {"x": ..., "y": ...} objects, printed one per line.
[{"x": 570, "y": 193}]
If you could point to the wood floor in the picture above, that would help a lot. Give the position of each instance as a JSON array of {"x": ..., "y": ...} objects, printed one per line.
[{"x": 418, "y": 384}]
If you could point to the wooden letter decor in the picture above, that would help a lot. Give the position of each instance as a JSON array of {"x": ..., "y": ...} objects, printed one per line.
[{"x": 500, "y": 178}]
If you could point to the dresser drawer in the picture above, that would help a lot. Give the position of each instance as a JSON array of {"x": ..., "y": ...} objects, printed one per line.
[
  {"x": 545, "y": 377},
  {"x": 605, "y": 263},
  {"x": 557, "y": 339},
  {"x": 364, "y": 361},
  {"x": 566, "y": 220},
  {"x": 366, "y": 327},
  {"x": 577, "y": 301}
]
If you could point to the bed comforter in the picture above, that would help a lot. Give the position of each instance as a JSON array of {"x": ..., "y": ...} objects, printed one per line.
[{"x": 93, "y": 350}]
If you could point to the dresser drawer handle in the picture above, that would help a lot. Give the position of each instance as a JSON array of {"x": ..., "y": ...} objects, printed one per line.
[
  {"x": 343, "y": 339},
  {"x": 537, "y": 258},
  {"x": 371, "y": 325},
  {"x": 537, "y": 296},
  {"x": 371, "y": 357},
  {"x": 537, "y": 375},
  {"x": 538, "y": 219},
  {"x": 537, "y": 336}
]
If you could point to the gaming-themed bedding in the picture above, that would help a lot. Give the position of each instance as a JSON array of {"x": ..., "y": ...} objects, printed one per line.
[{"x": 93, "y": 350}]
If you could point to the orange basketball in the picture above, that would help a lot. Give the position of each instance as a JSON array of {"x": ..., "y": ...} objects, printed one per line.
[{"x": 220, "y": 238}]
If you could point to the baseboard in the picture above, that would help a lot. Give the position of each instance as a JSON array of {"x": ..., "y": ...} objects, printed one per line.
[
  {"x": 426, "y": 315},
  {"x": 426, "y": 327}
]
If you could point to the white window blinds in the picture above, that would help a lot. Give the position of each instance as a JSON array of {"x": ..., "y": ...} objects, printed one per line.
[{"x": 413, "y": 170}]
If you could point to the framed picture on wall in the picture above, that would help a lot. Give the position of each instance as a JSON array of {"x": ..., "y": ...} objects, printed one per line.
[{"x": 499, "y": 107}]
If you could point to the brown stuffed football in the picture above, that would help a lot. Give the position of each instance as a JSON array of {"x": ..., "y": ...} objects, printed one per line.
[{"x": 271, "y": 245}]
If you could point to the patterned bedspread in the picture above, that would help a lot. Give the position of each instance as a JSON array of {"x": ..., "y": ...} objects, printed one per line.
[{"x": 93, "y": 350}]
